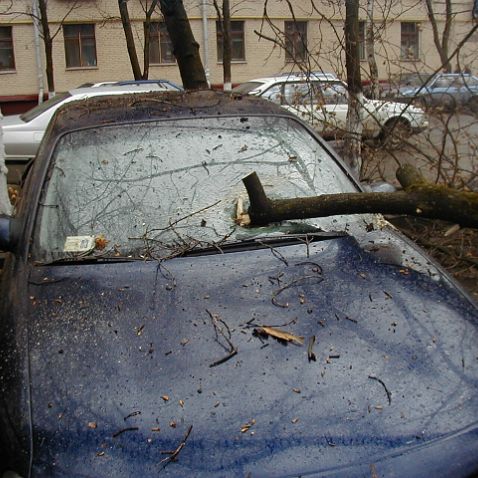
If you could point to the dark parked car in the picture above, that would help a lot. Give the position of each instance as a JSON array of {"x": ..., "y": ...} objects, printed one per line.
[
  {"x": 444, "y": 90},
  {"x": 144, "y": 330},
  {"x": 402, "y": 82}
]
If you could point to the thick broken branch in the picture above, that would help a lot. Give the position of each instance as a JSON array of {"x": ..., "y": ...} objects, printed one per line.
[{"x": 418, "y": 199}]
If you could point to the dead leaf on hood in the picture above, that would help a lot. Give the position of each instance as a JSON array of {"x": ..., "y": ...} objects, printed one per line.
[
  {"x": 248, "y": 425},
  {"x": 280, "y": 334},
  {"x": 101, "y": 242}
]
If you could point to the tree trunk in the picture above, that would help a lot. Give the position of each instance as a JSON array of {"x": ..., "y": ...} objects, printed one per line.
[
  {"x": 441, "y": 46},
  {"x": 186, "y": 49},
  {"x": 353, "y": 135},
  {"x": 419, "y": 199},
  {"x": 226, "y": 49},
  {"x": 370, "y": 50},
  {"x": 147, "y": 38},
  {"x": 5, "y": 205},
  {"x": 48, "y": 44},
  {"x": 128, "y": 33}
]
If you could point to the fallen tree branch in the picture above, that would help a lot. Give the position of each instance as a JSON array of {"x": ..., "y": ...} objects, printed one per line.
[{"x": 418, "y": 199}]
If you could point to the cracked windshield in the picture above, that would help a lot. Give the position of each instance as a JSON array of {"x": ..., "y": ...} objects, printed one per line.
[{"x": 160, "y": 189}]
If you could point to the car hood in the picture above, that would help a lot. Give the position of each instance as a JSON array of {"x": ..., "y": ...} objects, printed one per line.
[{"x": 124, "y": 358}]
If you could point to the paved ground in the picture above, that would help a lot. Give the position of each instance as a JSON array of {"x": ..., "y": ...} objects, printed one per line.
[{"x": 445, "y": 153}]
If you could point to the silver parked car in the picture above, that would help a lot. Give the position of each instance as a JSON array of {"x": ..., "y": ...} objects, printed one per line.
[
  {"x": 322, "y": 100},
  {"x": 447, "y": 91},
  {"x": 23, "y": 133}
]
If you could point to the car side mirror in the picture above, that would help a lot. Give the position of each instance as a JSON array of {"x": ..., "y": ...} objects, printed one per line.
[{"x": 8, "y": 233}]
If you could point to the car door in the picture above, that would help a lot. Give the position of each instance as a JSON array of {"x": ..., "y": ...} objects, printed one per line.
[
  {"x": 322, "y": 104},
  {"x": 299, "y": 98},
  {"x": 468, "y": 90},
  {"x": 442, "y": 92},
  {"x": 335, "y": 106}
]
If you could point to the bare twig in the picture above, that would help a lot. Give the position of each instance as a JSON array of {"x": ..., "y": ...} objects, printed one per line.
[
  {"x": 224, "y": 332},
  {"x": 129, "y": 429},
  {"x": 387, "y": 391},
  {"x": 174, "y": 453}
]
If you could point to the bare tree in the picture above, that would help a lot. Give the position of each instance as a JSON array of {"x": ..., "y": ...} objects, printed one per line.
[
  {"x": 47, "y": 35},
  {"x": 130, "y": 43},
  {"x": 442, "y": 43},
  {"x": 225, "y": 25},
  {"x": 353, "y": 135},
  {"x": 48, "y": 45},
  {"x": 185, "y": 47},
  {"x": 48, "y": 38},
  {"x": 370, "y": 49}
]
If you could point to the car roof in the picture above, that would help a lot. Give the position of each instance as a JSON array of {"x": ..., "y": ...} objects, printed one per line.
[
  {"x": 162, "y": 82},
  {"x": 294, "y": 78},
  {"x": 103, "y": 89},
  {"x": 109, "y": 109}
]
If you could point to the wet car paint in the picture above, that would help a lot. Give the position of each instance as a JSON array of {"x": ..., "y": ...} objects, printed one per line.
[{"x": 396, "y": 371}]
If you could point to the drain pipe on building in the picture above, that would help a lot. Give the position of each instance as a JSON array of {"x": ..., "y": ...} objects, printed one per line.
[
  {"x": 39, "y": 63},
  {"x": 205, "y": 39}
]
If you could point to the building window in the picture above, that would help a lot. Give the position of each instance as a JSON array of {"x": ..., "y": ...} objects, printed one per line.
[
  {"x": 362, "y": 41},
  {"x": 238, "y": 51},
  {"x": 160, "y": 45},
  {"x": 7, "y": 59},
  {"x": 80, "y": 45},
  {"x": 409, "y": 41},
  {"x": 295, "y": 41}
]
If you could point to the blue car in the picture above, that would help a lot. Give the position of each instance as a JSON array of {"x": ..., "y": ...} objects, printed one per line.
[
  {"x": 444, "y": 90},
  {"x": 147, "y": 330}
]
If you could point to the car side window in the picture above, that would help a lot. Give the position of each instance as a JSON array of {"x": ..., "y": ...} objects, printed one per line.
[
  {"x": 297, "y": 94},
  {"x": 443, "y": 82},
  {"x": 458, "y": 82},
  {"x": 334, "y": 94},
  {"x": 472, "y": 81},
  {"x": 274, "y": 94}
]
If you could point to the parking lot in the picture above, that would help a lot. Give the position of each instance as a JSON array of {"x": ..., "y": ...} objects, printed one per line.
[{"x": 445, "y": 153}]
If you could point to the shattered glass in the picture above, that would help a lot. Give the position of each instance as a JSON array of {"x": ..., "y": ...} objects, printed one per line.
[{"x": 153, "y": 189}]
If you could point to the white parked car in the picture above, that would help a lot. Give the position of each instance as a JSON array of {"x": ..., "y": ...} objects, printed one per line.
[
  {"x": 23, "y": 133},
  {"x": 322, "y": 100}
]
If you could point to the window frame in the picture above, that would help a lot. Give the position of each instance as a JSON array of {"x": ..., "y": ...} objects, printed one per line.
[
  {"x": 295, "y": 41},
  {"x": 410, "y": 42},
  {"x": 81, "y": 39},
  {"x": 8, "y": 40},
  {"x": 159, "y": 39},
  {"x": 238, "y": 36}
]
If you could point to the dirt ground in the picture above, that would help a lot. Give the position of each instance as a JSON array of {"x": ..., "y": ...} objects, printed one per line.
[{"x": 456, "y": 250}]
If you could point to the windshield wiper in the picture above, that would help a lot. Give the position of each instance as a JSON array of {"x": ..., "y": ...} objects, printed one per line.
[
  {"x": 264, "y": 242},
  {"x": 84, "y": 259}
]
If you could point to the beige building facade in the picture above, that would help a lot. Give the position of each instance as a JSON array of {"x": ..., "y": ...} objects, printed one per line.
[{"x": 89, "y": 42}]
